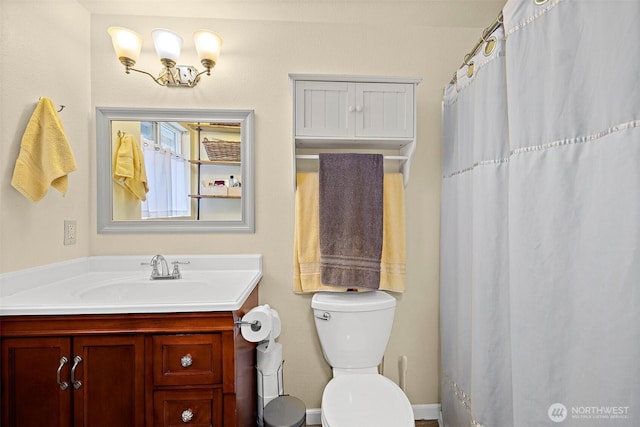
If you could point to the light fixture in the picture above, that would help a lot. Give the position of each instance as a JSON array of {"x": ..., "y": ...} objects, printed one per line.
[{"x": 127, "y": 45}]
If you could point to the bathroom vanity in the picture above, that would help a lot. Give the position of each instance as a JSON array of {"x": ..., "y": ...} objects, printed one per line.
[{"x": 160, "y": 366}]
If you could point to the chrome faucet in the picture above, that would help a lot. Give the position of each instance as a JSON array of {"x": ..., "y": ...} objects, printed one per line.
[{"x": 163, "y": 271}]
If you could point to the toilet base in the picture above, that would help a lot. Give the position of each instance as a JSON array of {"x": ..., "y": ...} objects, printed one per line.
[{"x": 370, "y": 399}]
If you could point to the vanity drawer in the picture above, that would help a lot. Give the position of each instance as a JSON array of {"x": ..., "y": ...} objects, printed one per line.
[
  {"x": 200, "y": 407},
  {"x": 187, "y": 359}
]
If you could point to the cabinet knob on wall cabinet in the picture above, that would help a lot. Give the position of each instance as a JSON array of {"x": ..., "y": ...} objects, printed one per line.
[
  {"x": 187, "y": 415},
  {"x": 186, "y": 361},
  {"x": 63, "y": 384},
  {"x": 352, "y": 108}
]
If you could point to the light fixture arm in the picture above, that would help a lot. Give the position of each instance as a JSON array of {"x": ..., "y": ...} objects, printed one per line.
[
  {"x": 155, "y": 79},
  {"x": 208, "y": 64},
  {"x": 173, "y": 76}
]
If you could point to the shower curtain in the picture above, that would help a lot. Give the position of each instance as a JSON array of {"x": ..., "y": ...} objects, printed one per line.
[{"x": 540, "y": 234}]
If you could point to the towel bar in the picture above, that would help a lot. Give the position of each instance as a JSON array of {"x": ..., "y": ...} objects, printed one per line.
[
  {"x": 404, "y": 165},
  {"x": 315, "y": 157}
]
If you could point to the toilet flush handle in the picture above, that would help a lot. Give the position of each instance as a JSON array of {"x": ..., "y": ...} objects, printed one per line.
[{"x": 325, "y": 316}]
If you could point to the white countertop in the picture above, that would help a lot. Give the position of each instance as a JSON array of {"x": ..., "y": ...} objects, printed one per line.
[{"x": 119, "y": 284}]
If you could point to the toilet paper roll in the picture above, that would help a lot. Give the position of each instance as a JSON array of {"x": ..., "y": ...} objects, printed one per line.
[
  {"x": 275, "y": 327},
  {"x": 276, "y": 324},
  {"x": 269, "y": 372},
  {"x": 272, "y": 388},
  {"x": 269, "y": 358},
  {"x": 261, "y": 314}
]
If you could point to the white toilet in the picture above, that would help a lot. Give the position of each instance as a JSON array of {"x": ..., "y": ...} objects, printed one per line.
[{"x": 354, "y": 329}]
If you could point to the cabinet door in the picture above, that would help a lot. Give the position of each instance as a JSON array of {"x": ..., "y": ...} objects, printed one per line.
[
  {"x": 322, "y": 109},
  {"x": 31, "y": 395},
  {"x": 109, "y": 381},
  {"x": 384, "y": 110}
]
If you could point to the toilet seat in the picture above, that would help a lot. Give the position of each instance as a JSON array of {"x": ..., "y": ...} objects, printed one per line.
[{"x": 370, "y": 400}]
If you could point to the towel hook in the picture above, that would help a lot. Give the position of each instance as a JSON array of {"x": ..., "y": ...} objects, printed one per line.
[{"x": 61, "y": 106}]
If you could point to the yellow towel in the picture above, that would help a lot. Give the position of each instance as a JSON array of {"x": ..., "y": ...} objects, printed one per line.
[
  {"x": 393, "y": 261},
  {"x": 45, "y": 157},
  {"x": 306, "y": 237},
  {"x": 128, "y": 167},
  {"x": 306, "y": 250}
]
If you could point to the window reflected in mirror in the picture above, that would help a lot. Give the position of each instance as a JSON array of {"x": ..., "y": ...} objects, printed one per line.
[
  {"x": 191, "y": 170},
  {"x": 173, "y": 173}
]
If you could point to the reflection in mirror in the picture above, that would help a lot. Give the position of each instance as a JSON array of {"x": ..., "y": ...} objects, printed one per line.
[{"x": 174, "y": 170}]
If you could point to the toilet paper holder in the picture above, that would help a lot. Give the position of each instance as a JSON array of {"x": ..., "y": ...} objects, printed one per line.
[
  {"x": 279, "y": 379},
  {"x": 255, "y": 325}
]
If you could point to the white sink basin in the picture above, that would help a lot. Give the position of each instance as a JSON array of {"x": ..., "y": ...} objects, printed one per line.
[
  {"x": 146, "y": 291},
  {"x": 197, "y": 288},
  {"x": 100, "y": 285}
]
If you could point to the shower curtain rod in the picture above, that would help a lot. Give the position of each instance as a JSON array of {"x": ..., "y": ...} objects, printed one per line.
[{"x": 486, "y": 33}]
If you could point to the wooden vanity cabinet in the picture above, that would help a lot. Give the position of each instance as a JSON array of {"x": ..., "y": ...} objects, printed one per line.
[
  {"x": 106, "y": 388},
  {"x": 138, "y": 370}
]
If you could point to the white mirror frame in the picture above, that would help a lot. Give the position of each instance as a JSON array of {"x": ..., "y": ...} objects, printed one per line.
[{"x": 106, "y": 224}]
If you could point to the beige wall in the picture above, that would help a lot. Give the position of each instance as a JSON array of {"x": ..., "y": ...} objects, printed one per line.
[
  {"x": 45, "y": 52},
  {"x": 252, "y": 74}
]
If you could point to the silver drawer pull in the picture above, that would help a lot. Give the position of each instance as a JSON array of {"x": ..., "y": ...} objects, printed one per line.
[
  {"x": 63, "y": 384},
  {"x": 187, "y": 415},
  {"x": 186, "y": 361},
  {"x": 76, "y": 362}
]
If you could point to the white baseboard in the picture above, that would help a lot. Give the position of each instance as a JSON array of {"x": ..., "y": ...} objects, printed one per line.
[
  {"x": 424, "y": 411},
  {"x": 314, "y": 417}
]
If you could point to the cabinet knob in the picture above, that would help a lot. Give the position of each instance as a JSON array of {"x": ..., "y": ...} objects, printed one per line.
[
  {"x": 187, "y": 415},
  {"x": 186, "y": 361},
  {"x": 359, "y": 108},
  {"x": 352, "y": 108}
]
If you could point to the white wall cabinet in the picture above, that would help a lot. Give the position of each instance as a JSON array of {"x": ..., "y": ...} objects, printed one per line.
[
  {"x": 371, "y": 114},
  {"x": 354, "y": 110}
]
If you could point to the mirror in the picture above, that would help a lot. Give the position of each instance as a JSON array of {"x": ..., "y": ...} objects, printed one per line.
[{"x": 170, "y": 170}]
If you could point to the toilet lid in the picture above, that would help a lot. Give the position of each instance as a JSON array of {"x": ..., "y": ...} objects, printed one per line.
[{"x": 367, "y": 400}]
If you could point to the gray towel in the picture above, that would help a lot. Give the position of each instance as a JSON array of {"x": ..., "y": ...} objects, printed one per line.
[{"x": 351, "y": 219}]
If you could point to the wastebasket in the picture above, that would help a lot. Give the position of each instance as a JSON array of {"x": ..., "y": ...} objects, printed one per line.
[{"x": 285, "y": 411}]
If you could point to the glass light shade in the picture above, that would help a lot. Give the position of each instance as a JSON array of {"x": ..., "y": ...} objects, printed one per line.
[
  {"x": 168, "y": 44},
  {"x": 126, "y": 43},
  {"x": 208, "y": 45}
]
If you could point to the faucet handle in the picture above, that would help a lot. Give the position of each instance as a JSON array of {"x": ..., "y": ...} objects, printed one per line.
[
  {"x": 176, "y": 263},
  {"x": 176, "y": 270},
  {"x": 154, "y": 266}
]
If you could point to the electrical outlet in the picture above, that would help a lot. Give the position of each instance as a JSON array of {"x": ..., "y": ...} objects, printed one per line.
[{"x": 69, "y": 231}]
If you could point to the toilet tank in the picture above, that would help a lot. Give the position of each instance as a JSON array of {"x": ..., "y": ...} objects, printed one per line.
[{"x": 353, "y": 327}]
